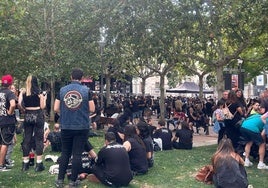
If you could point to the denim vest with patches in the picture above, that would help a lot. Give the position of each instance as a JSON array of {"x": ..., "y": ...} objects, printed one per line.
[{"x": 74, "y": 108}]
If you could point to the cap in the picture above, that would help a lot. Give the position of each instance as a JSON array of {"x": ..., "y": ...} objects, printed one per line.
[{"x": 7, "y": 79}]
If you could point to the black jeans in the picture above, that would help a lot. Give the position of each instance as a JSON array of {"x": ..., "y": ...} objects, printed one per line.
[
  {"x": 73, "y": 142},
  {"x": 33, "y": 132}
]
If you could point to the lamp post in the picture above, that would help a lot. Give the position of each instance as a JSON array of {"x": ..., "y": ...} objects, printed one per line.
[{"x": 102, "y": 44}]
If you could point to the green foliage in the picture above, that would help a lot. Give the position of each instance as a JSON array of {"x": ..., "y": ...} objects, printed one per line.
[
  {"x": 211, "y": 80},
  {"x": 48, "y": 38}
]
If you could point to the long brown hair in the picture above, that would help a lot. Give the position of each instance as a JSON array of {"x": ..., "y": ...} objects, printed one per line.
[
  {"x": 232, "y": 98},
  {"x": 224, "y": 153}
]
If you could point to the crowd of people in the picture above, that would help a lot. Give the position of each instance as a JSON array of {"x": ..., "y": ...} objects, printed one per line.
[{"x": 131, "y": 133}]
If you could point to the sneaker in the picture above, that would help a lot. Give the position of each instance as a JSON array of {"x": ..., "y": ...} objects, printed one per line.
[
  {"x": 39, "y": 167},
  {"x": 59, "y": 183},
  {"x": 9, "y": 163},
  {"x": 262, "y": 166},
  {"x": 248, "y": 163},
  {"x": 3, "y": 168}
]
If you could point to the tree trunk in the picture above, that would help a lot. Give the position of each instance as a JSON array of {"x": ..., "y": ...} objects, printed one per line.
[
  {"x": 201, "y": 86},
  {"x": 220, "y": 81},
  {"x": 108, "y": 90},
  {"x": 162, "y": 97},
  {"x": 143, "y": 82},
  {"x": 52, "y": 95}
]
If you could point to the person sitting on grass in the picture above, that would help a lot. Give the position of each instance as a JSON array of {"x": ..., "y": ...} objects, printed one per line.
[
  {"x": 88, "y": 161},
  {"x": 228, "y": 167},
  {"x": 136, "y": 150},
  {"x": 183, "y": 139},
  {"x": 112, "y": 167},
  {"x": 164, "y": 134},
  {"x": 144, "y": 133},
  {"x": 54, "y": 138}
]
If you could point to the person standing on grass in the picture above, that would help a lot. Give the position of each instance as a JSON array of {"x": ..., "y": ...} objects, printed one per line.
[
  {"x": 74, "y": 104},
  {"x": 219, "y": 120},
  {"x": 7, "y": 118},
  {"x": 8, "y": 161},
  {"x": 236, "y": 109},
  {"x": 33, "y": 102}
]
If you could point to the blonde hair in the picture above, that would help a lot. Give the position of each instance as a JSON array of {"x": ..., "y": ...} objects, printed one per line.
[{"x": 28, "y": 85}]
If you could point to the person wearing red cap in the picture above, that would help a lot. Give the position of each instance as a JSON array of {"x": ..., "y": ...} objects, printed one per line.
[{"x": 7, "y": 118}]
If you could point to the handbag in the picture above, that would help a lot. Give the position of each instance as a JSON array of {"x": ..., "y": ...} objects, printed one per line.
[
  {"x": 227, "y": 113},
  {"x": 216, "y": 127},
  {"x": 205, "y": 174}
]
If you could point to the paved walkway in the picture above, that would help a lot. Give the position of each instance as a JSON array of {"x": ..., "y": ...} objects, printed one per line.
[{"x": 205, "y": 140}]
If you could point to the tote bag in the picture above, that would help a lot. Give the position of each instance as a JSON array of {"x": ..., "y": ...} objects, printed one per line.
[{"x": 227, "y": 113}]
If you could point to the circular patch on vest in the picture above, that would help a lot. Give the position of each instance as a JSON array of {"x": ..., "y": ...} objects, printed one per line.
[{"x": 73, "y": 99}]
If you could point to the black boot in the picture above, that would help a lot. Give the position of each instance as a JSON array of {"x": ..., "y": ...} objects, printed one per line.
[
  {"x": 25, "y": 166},
  {"x": 39, "y": 167}
]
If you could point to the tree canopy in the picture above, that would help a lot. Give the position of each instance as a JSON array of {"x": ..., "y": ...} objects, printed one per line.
[{"x": 152, "y": 37}]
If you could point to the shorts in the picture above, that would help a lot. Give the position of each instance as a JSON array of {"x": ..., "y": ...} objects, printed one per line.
[
  {"x": 7, "y": 134},
  {"x": 249, "y": 136}
]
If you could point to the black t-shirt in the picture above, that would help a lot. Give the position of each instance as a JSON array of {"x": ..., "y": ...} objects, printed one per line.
[
  {"x": 113, "y": 159},
  {"x": 137, "y": 157},
  {"x": 166, "y": 136},
  {"x": 148, "y": 142},
  {"x": 185, "y": 136},
  {"x": 5, "y": 97}
]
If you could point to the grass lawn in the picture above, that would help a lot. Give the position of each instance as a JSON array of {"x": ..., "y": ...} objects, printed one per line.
[{"x": 175, "y": 168}]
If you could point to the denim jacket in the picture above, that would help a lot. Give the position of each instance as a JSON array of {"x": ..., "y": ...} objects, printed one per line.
[{"x": 74, "y": 108}]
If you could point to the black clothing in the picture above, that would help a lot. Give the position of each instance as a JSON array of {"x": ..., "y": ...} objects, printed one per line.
[
  {"x": 137, "y": 157},
  {"x": 230, "y": 174},
  {"x": 231, "y": 131},
  {"x": 112, "y": 167},
  {"x": 185, "y": 139},
  {"x": 116, "y": 130},
  {"x": 151, "y": 129},
  {"x": 148, "y": 142},
  {"x": 31, "y": 101},
  {"x": 166, "y": 136},
  {"x": 55, "y": 140},
  {"x": 5, "y": 98}
]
